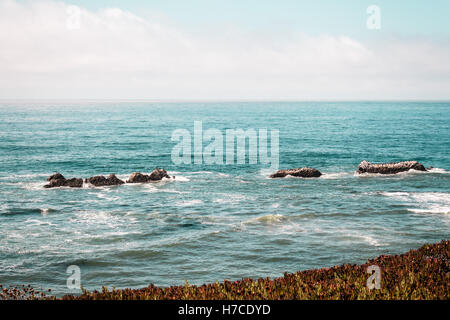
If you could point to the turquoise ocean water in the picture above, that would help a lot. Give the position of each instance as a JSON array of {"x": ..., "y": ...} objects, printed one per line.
[{"x": 214, "y": 222}]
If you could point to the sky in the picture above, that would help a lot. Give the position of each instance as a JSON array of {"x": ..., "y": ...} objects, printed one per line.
[
  {"x": 225, "y": 50},
  {"x": 322, "y": 16}
]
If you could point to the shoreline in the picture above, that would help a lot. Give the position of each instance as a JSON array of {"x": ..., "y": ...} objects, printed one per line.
[{"x": 422, "y": 273}]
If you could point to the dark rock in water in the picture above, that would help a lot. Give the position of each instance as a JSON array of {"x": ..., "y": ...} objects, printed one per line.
[
  {"x": 58, "y": 180},
  {"x": 389, "y": 168},
  {"x": 299, "y": 172},
  {"x": 113, "y": 180},
  {"x": 54, "y": 183},
  {"x": 137, "y": 177},
  {"x": 99, "y": 181},
  {"x": 157, "y": 174},
  {"x": 74, "y": 183},
  {"x": 56, "y": 176}
]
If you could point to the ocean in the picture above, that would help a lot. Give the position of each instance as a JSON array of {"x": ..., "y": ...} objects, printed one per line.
[{"x": 214, "y": 221}]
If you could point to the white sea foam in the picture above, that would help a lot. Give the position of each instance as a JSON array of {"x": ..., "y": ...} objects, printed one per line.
[
  {"x": 220, "y": 174},
  {"x": 37, "y": 222},
  {"x": 200, "y": 172},
  {"x": 273, "y": 224},
  {"x": 368, "y": 175},
  {"x": 402, "y": 174},
  {"x": 12, "y": 234},
  {"x": 123, "y": 177},
  {"x": 105, "y": 197},
  {"x": 438, "y": 170},
  {"x": 114, "y": 233},
  {"x": 229, "y": 200},
  {"x": 433, "y": 209},
  {"x": 189, "y": 203},
  {"x": 404, "y": 196},
  {"x": 172, "y": 191},
  {"x": 155, "y": 188},
  {"x": 104, "y": 218},
  {"x": 418, "y": 172},
  {"x": 4, "y": 207},
  {"x": 421, "y": 197},
  {"x": 267, "y": 219},
  {"x": 25, "y": 176},
  {"x": 352, "y": 235},
  {"x": 233, "y": 198},
  {"x": 334, "y": 175},
  {"x": 366, "y": 238},
  {"x": 423, "y": 202},
  {"x": 266, "y": 172},
  {"x": 369, "y": 239},
  {"x": 181, "y": 179}
]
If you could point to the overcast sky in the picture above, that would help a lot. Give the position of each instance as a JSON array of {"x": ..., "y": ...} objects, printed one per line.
[{"x": 214, "y": 50}]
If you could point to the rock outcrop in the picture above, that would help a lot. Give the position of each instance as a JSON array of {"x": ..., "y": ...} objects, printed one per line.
[
  {"x": 56, "y": 176},
  {"x": 157, "y": 174},
  {"x": 58, "y": 180},
  {"x": 299, "y": 172},
  {"x": 389, "y": 168},
  {"x": 100, "y": 181}
]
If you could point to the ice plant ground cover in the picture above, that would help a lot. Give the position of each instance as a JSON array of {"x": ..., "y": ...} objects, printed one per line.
[{"x": 417, "y": 274}]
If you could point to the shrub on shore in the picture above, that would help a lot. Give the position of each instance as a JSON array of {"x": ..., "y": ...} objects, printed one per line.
[{"x": 418, "y": 274}]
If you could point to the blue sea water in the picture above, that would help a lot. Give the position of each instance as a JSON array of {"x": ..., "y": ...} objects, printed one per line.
[{"x": 214, "y": 222}]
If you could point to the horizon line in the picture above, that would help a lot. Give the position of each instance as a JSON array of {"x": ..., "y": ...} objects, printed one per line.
[{"x": 212, "y": 100}]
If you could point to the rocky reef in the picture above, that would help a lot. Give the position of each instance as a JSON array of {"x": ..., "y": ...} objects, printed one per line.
[
  {"x": 58, "y": 180},
  {"x": 299, "y": 172},
  {"x": 99, "y": 181},
  {"x": 389, "y": 168},
  {"x": 157, "y": 174}
]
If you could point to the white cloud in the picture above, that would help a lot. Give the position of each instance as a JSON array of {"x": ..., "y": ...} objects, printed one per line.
[{"x": 115, "y": 54}]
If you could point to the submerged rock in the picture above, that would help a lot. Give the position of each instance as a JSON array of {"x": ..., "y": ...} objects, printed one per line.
[
  {"x": 299, "y": 172},
  {"x": 99, "y": 181},
  {"x": 58, "y": 180},
  {"x": 389, "y": 168},
  {"x": 157, "y": 174}
]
